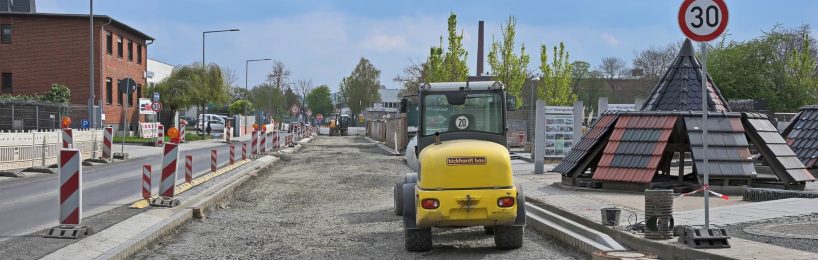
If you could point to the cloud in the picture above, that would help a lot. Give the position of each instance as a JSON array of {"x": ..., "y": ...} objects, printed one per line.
[
  {"x": 609, "y": 39},
  {"x": 383, "y": 43}
]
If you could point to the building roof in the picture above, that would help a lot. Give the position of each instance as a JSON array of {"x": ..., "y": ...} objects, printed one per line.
[
  {"x": 802, "y": 135},
  {"x": 680, "y": 87},
  {"x": 728, "y": 151},
  {"x": 389, "y": 95},
  {"x": 635, "y": 148},
  {"x": 582, "y": 151},
  {"x": 96, "y": 17},
  {"x": 774, "y": 149}
]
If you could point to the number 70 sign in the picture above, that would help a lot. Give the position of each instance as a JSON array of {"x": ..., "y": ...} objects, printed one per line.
[{"x": 703, "y": 20}]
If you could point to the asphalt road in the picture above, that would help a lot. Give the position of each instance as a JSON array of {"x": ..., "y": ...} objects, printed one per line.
[
  {"x": 331, "y": 200},
  {"x": 30, "y": 205}
]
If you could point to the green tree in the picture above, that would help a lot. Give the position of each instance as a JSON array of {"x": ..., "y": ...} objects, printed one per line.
[
  {"x": 58, "y": 93},
  {"x": 269, "y": 99},
  {"x": 434, "y": 65},
  {"x": 555, "y": 86},
  {"x": 238, "y": 107},
  {"x": 211, "y": 87},
  {"x": 506, "y": 66},
  {"x": 360, "y": 89},
  {"x": 320, "y": 100},
  {"x": 454, "y": 61},
  {"x": 778, "y": 66},
  {"x": 580, "y": 70}
]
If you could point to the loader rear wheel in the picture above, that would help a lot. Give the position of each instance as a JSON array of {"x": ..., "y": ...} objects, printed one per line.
[
  {"x": 489, "y": 230},
  {"x": 508, "y": 237},
  {"x": 418, "y": 239}
]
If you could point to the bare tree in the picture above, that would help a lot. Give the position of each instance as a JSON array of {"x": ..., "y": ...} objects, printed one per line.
[
  {"x": 652, "y": 62},
  {"x": 304, "y": 87},
  {"x": 279, "y": 76},
  {"x": 413, "y": 75},
  {"x": 613, "y": 67}
]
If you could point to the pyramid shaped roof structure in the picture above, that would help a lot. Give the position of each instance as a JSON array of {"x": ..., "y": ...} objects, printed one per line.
[{"x": 680, "y": 89}]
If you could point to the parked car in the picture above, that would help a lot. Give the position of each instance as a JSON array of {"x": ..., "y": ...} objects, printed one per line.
[{"x": 216, "y": 123}]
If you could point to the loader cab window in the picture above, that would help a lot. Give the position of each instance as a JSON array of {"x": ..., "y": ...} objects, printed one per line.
[{"x": 460, "y": 111}]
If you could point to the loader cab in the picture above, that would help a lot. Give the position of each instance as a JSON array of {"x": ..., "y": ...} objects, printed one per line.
[{"x": 462, "y": 110}]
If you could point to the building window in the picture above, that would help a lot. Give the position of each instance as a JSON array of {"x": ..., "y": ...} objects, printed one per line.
[
  {"x": 5, "y": 33},
  {"x": 109, "y": 91},
  {"x": 6, "y": 83},
  {"x": 119, "y": 46},
  {"x": 130, "y": 50},
  {"x": 109, "y": 43},
  {"x": 139, "y": 54}
]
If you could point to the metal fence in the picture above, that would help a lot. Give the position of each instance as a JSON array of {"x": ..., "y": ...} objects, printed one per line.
[
  {"x": 40, "y": 148},
  {"x": 39, "y": 116}
]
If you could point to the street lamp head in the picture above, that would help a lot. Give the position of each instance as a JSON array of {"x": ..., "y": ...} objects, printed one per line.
[{"x": 234, "y": 30}]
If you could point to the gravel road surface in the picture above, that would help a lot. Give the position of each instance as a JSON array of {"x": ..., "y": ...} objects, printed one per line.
[{"x": 333, "y": 199}]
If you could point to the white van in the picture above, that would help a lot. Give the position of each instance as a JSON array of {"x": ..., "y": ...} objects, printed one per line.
[{"x": 217, "y": 123}]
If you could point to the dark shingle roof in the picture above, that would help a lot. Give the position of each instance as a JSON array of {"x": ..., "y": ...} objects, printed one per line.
[
  {"x": 802, "y": 136},
  {"x": 579, "y": 152},
  {"x": 775, "y": 150},
  {"x": 635, "y": 148},
  {"x": 680, "y": 87},
  {"x": 728, "y": 151}
]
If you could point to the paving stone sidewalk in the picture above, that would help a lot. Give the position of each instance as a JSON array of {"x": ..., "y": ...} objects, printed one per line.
[{"x": 587, "y": 204}]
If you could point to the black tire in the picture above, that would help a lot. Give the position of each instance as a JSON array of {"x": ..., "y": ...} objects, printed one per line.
[
  {"x": 489, "y": 230},
  {"x": 398, "y": 191},
  {"x": 508, "y": 237},
  {"x": 417, "y": 240}
]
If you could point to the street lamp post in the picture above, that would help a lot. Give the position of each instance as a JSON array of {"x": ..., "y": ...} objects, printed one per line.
[
  {"x": 204, "y": 64},
  {"x": 246, "y": 73}
]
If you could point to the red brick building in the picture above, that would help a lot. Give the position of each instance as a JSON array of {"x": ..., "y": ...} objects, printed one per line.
[{"x": 40, "y": 49}]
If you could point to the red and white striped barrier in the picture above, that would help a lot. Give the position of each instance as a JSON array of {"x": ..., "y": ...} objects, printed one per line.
[
  {"x": 263, "y": 146},
  {"x": 276, "y": 143},
  {"x": 232, "y": 154},
  {"x": 254, "y": 143},
  {"x": 213, "y": 160},
  {"x": 182, "y": 133},
  {"x": 70, "y": 187},
  {"x": 107, "y": 140},
  {"x": 228, "y": 134},
  {"x": 167, "y": 186},
  {"x": 67, "y": 138},
  {"x": 160, "y": 135},
  {"x": 146, "y": 181},
  {"x": 189, "y": 168},
  {"x": 244, "y": 151},
  {"x": 705, "y": 188}
]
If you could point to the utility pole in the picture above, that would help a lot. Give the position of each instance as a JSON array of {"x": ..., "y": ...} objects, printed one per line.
[{"x": 91, "y": 113}]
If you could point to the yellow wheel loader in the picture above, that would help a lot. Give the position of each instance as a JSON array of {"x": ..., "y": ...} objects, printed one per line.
[{"x": 465, "y": 176}]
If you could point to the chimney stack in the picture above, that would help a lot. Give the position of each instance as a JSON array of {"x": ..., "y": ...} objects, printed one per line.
[{"x": 480, "y": 49}]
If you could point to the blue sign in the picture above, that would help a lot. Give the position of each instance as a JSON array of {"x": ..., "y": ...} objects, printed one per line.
[
  {"x": 155, "y": 96},
  {"x": 86, "y": 124}
]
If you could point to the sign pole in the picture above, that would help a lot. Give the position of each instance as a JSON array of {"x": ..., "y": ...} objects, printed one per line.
[
  {"x": 704, "y": 21},
  {"x": 705, "y": 170},
  {"x": 125, "y": 127}
]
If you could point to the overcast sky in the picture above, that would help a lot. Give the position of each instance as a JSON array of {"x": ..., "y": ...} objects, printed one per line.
[{"x": 323, "y": 40}]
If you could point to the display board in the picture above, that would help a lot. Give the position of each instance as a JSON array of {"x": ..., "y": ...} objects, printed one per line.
[{"x": 559, "y": 130}]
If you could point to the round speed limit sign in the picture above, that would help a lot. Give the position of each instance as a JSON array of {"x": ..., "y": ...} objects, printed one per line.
[{"x": 703, "y": 20}]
